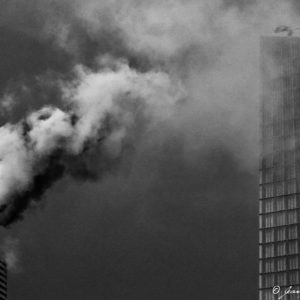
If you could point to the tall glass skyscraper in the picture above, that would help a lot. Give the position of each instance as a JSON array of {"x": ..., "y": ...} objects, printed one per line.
[{"x": 279, "y": 199}]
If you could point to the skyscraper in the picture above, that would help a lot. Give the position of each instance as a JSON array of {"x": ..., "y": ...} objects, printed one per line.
[
  {"x": 3, "y": 280},
  {"x": 279, "y": 199}
]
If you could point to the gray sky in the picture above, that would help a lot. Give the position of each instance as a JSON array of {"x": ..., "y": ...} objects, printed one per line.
[{"x": 176, "y": 216}]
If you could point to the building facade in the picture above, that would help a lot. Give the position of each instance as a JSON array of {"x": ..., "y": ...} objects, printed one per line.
[
  {"x": 3, "y": 280},
  {"x": 279, "y": 199}
]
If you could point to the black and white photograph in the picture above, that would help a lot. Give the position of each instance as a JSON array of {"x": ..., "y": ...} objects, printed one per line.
[{"x": 149, "y": 149}]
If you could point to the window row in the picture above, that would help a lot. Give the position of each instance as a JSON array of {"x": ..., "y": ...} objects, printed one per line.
[
  {"x": 279, "y": 219},
  {"x": 282, "y": 154},
  {"x": 279, "y": 249},
  {"x": 279, "y": 157},
  {"x": 278, "y": 145},
  {"x": 279, "y": 264},
  {"x": 280, "y": 129},
  {"x": 279, "y": 279},
  {"x": 271, "y": 235},
  {"x": 280, "y": 203},
  {"x": 278, "y": 112},
  {"x": 278, "y": 189},
  {"x": 277, "y": 174},
  {"x": 284, "y": 113}
]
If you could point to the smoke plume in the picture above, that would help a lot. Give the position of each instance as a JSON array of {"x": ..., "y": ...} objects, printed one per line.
[
  {"x": 117, "y": 73},
  {"x": 102, "y": 110}
]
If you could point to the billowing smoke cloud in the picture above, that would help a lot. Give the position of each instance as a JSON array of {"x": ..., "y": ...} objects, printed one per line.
[
  {"x": 212, "y": 47},
  {"x": 160, "y": 227},
  {"x": 135, "y": 57},
  {"x": 102, "y": 111}
]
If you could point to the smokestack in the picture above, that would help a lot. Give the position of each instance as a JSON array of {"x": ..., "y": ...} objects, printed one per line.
[{"x": 3, "y": 280}]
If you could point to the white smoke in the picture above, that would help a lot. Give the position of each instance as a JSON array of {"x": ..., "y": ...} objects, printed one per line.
[
  {"x": 212, "y": 47},
  {"x": 209, "y": 48},
  {"x": 26, "y": 147}
]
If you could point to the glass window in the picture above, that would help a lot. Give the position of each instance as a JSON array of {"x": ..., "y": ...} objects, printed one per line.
[
  {"x": 281, "y": 236},
  {"x": 288, "y": 112},
  {"x": 290, "y": 172},
  {"x": 261, "y": 267},
  {"x": 280, "y": 220},
  {"x": 297, "y": 107},
  {"x": 281, "y": 249},
  {"x": 268, "y": 190},
  {"x": 291, "y": 187},
  {"x": 268, "y": 175},
  {"x": 294, "y": 277},
  {"x": 269, "y": 235},
  {"x": 290, "y": 144},
  {"x": 267, "y": 148},
  {"x": 297, "y": 125},
  {"x": 293, "y": 262},
  {"x": 260, "y": 206},
  {"x": 268, "y": 132},
  {"x": 269, "y": 250},
  {"x": 292, "y": 217},
  {"x": 281, "y": 279},
  {"x": 269, "y": 295},
  {"x": 269, "y": 266},
  {"x": 261, "y": 180},
  {"x": 269, "y": 221},
  {"x": 261, "y": 239},
  {"x": 289, "y": 157},
  {"x": 278, "y": 173},
  {"x": 281, "y": 264},
  {"x": 265, "y": 295},
  {"x": 278, "y": 147},
  {"x": 294, "y": 296},
  {"x": 260, "y": 251},
  {"x": 280, "y": 203},
  {"x": 293, "y": 232},
  {"x": 269, "y": 205},
  {"x": 291, "y": 202},
  {"x": 298, "y": 154},
  {"x": 260, "y": 277},
  {"x": 293, "y": 247},
  {"x": 278, "y": 129},
  {"x": 289, "y": 127},
  {"x": 267, "y": 161},
  {"x": 261, "y": 194},
  {"x": 278, "y": 187},
  {"x": 269, "y": 280}
]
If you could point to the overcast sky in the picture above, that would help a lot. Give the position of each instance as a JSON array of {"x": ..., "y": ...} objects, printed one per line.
[{"x": 175, "y": 215}]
